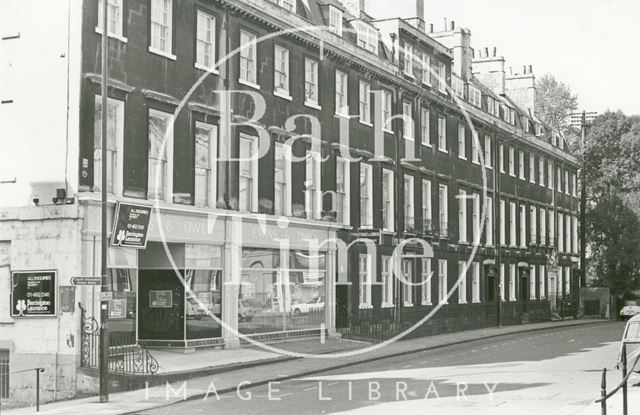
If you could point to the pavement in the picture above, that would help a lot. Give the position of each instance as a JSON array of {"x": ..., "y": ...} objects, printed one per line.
[{"x": 251, "y": 366}]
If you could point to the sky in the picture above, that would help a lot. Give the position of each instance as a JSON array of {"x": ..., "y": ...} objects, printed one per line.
[{"x": 591, "y": 45}]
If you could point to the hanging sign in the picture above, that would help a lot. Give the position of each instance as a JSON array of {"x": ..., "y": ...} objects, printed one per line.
[
  {"x": 33, "y": 293},
  {"x": 130, "y": 225}
]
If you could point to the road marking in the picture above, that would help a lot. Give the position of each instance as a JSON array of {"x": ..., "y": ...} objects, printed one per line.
[
  {"x": 310, "y": 389},
  {"x": 332, "y": 383},
  {"x": 286, "y": 394},
  {"x": 406, "y": 366}
]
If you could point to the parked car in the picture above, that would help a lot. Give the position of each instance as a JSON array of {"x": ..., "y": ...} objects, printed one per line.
[
  {"x": 316, "y": 303},
  {"x": 631, "y": 337},
  {"x": 629, "y": 311}
]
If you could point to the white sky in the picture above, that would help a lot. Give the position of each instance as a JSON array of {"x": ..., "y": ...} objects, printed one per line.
[{"x": 592, "y": 45}]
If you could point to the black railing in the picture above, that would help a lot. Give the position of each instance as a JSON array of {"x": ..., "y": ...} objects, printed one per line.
[
  {"x": 626, "y": 373},
  {"x": 125, "y": 354}
]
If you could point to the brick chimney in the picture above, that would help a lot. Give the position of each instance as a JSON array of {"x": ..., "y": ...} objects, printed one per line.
[
  {"x": 488, "y": 67},
  {"x": 458, "y": 40},
  {"x": 521, "y": 88}
]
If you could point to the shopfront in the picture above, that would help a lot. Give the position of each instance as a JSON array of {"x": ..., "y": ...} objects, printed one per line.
[{"x": 216, "y": 278}]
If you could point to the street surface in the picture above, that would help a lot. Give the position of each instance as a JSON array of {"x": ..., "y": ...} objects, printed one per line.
[{"x": 555, "y": 371}]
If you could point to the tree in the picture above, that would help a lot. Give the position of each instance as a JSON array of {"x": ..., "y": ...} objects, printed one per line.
[
  {"x": 612, "y": 173},
  {"x": 554, "y": 104}
]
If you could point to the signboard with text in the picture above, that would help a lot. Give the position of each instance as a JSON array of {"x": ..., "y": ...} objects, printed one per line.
[
  {"x": 131, "y": 225},
  {"x": 33, "y": 293},
  {"x": 160, "y": 299}
]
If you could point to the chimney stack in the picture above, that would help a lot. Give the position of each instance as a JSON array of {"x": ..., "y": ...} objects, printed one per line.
[
  {"x": 453, "y": 25},
  {"x": 420, "y": 9},
  {"x": 530, "y": 69},
  {"x": 495, "y": 51},
  {"x": 430, "y": 27},
  {"x": 486, "y": 52}
]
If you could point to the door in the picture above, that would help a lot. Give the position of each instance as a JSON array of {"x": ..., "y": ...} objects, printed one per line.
[
  {"x": 524, "y": 289},
  {"x": 160, "y": 305}
]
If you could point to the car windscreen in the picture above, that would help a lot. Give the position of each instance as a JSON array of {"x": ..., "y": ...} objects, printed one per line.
[{"x": 633, "y": 331}]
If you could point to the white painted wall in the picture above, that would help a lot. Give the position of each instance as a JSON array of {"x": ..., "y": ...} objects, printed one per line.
[{"x": 38, "y": 137}]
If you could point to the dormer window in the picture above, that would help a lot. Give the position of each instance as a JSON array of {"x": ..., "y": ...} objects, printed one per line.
[
  {"x": 367, "y": 37},
  {"x": 335, "y": 20},
  {"x": 491, "y": 105},
  {"x": 475, "y": 96},
  {"x": 286, "y": 4}
]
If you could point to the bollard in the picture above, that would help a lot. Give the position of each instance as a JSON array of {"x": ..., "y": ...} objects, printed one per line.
[
  {"x": 38, "y": 370},
  {"x": 624, "y": 375},
  {"x": 603, "y": 392}
]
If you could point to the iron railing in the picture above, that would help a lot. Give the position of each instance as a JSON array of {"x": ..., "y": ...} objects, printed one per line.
[{"x": 626, "y": 373}]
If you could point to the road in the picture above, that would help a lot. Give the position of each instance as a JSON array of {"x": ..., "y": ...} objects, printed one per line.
[{"x": 554, "y": 371}]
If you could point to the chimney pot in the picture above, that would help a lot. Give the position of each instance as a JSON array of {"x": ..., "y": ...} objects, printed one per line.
[
  {"x": 445, "y": 24},
  {"x": 524, "y": 69},
  {"x": 431, "y": 27},
  {"x": 453, "y": 25},
  {"x": 486, "y": 52},
  {"x": 495, "y": 51},
  {"x": 530, "y": 69},
  {"x": 510, "y": 70}
]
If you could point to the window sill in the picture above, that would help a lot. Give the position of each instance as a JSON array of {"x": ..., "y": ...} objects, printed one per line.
[
  {"x": 427, "y": 145},
  {"x": 522, "y": 178},
  {"x": 206, "y": 69},
  {"x": 427, "y": 84},
  {"x": 282, "y": 95},
  {"x": 443, "y": 150},
  {"x": 249, "y": 84},
  {"x": 408, "y": 138},
  {"x": 408, "y": 304},
  {"x": 443, "y": 302},
  {"x": 475, "y": 162},
  {"x": 462, "y": 302},
  {"x": 313, "y": 105},
  {"x": 386, "y": 305},
  {"x": 488, "y": 167},
  {"x": 368, "y": 124},
  {"x": 113, "y": 35},
  {"x": 340, "y": 115},
  {"x": 476, "y": 301},
  {"x": 365, "y": 306},
  {"x": 427, "y": 304},
  {"x": 386, "y": 130},
  {"x": 462, "y": 158},
  {"x": 162, "y": 53},
  {"x": 409, "y": 75}
]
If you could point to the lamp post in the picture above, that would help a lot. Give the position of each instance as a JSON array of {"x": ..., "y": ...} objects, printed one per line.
[{"x": 104, "y": 339}]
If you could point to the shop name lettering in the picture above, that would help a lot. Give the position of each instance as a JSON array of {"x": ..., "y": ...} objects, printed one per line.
[
  {"x": 346, "y": 390},
  {"x": 275, "y": 234}
]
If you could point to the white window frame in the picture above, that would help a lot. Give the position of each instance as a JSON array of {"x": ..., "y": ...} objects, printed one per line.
[
  {"x": 426, "y": 286},
  {"x": 425, "y": 126},
  {"x": 426, "y": 72},
  {"x": 313, "y": 190},
  {"x": 488, "y": 163},
  {"x": 512, "y": 167},
  {"x": 248, "y": 71},
  {"x": 205, "y": 41},
  {"x": 367, "y": 37},
  {"x": 501, "y": 154},
  {"x": 407, "y": 121},
  {"x": 462, "y": 216},
  {"x": 542, "y": 277},
  {"x": 115, "y": 170},
  {"x": 364, "y": 91},
  {"x": 285, "y": 150},
  {"x": 388, "y": 177},
  {"x": 161, "y": 28},
  {"x": 426, "y": 203},
  {"x": 366, "y": 201},
  {"x": 442, "y": 134},
  {"x": 523, "y": 225},
  {"x": 116, "y": 21},
  {"x": 442, "y": 75},
  {"x": 387, "y": 282},
  {"x": 387, "y": 110},
  {"x": 503, "y": 287},
  {"x": 462, "y": 285},
  {"x": 566, "y": 182},
  {"x": 503, "y": 225},
  {"x": 475, "y": 150},
  {"x": 253, "y": 160},
  {"x": 311, "y": 83},
  {"x": 574, "y": 187},
  {"x": 533, "y": 224},
  {"x": 574, "y": 221},
  {"x": 443, "y": 208},
  {"x": 521, "y": 174},
  {"x": 342, "y": 93},
  {"x": 489, "y": 222},
  {"x": 475, "y": 96},
  {"x": 407, "y": 287},
  {"x": 512, "y": 282},
  {"x": 335, "y": 20},
  {"x": 532, "y": 282},
  {"x": 513, "y": 231},
  {"x": 211, "y": 180},
  {"x": 560, "y": 232},
  {"x": 281, "y": 78},
  {"x": 409, "y": 202},
  {"x": 289, "y": 5},
  {"x": 541, "y": 171},
  {"x": 168, "y": 173},
  {"x": 365, "y": 280},
  {"x": 550, "y": 174},
  {"x": 462, "y": 141},
  {"x": 543, "y": 226},
  {"x": 344, "y": 215},
  {"x": 552, "y": 227},
  {"x": 532, "y": 168},
  {"x": 568, "y": 233},
  {"x": 442, "y": 282},
  {"x": 475, "y": 282},
  {"x": 475, "y": 220},
  {"x": 408, "y": 59}
]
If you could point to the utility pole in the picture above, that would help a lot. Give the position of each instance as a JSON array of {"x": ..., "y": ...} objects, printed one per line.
[
  {"x": 104, "y": 338},
  {"x": 583, "y": 120}
]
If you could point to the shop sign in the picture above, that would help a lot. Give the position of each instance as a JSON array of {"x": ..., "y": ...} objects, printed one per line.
[
  {"x": 106, "y": 295},
  {"x": 366, "y": 234},
  {"x": 86, "y": 281},
  {"x": 131, "y": 225},
  {"x": 33, "y": 293},
  {"x": 160, "y": 299},
  {"x": 118, "y": 308}
]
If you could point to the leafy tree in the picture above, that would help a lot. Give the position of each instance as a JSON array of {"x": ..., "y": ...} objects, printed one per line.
[
  {"x": 612, "y": 173},
  {"x": 554, "y": 104}
]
